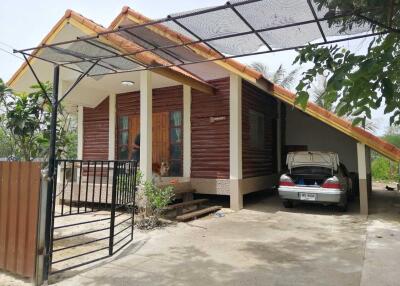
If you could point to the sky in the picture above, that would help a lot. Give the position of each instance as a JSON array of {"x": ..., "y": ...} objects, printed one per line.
[{"x": 24, "y": 23}]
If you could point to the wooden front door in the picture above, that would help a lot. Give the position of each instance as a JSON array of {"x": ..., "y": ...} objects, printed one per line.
[{"x": 160, "y": 138}]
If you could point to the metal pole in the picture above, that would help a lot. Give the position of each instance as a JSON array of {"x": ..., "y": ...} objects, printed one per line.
[
  {"x": 113, "y": 202},
  {"x": 41, "y": 252},
  {"x": 51, "y": 172}
]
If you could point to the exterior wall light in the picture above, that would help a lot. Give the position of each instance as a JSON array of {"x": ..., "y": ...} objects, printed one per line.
[{"x": 127, "y": 83}]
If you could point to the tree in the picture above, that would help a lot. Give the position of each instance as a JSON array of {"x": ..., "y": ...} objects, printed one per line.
[
  {"x": 280, "y": 76},
  {"x": 3, "y": 88},
  {"x": 382, "y": 167},
  {"x": 325, "y": 100},
  {"x": 26, "y": 124},
  {"x": 357, "y": 84}
]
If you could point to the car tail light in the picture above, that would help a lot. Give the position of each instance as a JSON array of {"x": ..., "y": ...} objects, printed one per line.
[
  {"x": 332, "y": 183},
  {"x": 285, "y": 180}
]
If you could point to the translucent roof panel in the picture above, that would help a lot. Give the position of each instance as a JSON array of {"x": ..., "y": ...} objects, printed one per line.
[
  {"x": 237, "y": 28},
  {"x": 82, "y": 55},
  {"x": 147, "y": 39},
  {"x": 238, "y": 45},
  {"x": 333, "y": 29},
  {"x": 214, "y": 24},
  {"x": 97, "y": 70},
  {"x": 272, "y": 13},
  {"x": 292, "y": 37}
]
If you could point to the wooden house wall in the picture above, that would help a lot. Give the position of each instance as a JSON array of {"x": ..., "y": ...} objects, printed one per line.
[
  {"x": 95, "y": 130},
  {"x": 210, "y": 140},
  {"x": 259, "y": 162}
]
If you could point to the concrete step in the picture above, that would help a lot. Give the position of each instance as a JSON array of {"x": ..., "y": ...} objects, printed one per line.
[
  {"x": 198, "y": 213},
  {"x": 186, "y": 204}
]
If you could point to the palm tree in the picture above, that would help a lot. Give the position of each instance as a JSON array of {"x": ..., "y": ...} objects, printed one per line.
[
  {"x": 321, "y": 98},
  {"x": 280, "y": 76}
]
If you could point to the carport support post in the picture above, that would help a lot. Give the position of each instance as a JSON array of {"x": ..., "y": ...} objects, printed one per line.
[
  {"x": 146, "y": 124},
  {"x": 51, "y": 173},
  {"x": 235, "y": 142},
  {"x": 362, "y": 177}
]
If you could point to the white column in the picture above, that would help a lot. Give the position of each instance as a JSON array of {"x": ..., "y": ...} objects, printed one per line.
[
  {"x": 187, "y": 130},
  {"x": 80, "y": 132},
  {"x": 362, "y": 176},
  {"x": 146, "y": 124},
  {"x": 235, "y": 140},
  {"x": 112, "y": 124},
  {"x": 279, "y": 138}
]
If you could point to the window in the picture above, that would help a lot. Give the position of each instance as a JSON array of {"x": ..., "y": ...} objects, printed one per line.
[
  {"x": 123, "y": 138},
  {"x": 176, "y": 144},
  {"x": 257, "y": 129}
]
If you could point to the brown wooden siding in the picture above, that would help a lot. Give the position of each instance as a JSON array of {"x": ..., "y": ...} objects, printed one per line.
[
  {"x": 263, "y": 161},
  {"x": 210, "y": 141},
  {"x": 95, "y": 130},
  {"x": 19, "y": 204},
  {"x": 165, "y": 99}
]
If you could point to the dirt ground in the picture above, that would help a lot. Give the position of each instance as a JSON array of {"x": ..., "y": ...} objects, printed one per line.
[{"x": 264, "y": 244}]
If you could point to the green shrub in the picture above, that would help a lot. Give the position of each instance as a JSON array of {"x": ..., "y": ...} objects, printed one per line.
[
  {"x": 158, "y": 198},
  {"x": 384, "y": 170}
]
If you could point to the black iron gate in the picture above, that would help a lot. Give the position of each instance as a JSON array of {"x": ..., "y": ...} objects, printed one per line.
[{"x": 92, "y": 212}]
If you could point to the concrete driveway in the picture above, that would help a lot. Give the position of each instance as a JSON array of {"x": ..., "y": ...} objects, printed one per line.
[{"x": 262, "y": 245}]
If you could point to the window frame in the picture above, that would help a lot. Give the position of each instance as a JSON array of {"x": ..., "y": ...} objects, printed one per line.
[
  {"x": 121, "y": 130},
  {"x": 172, "y": 144},
  {"x": 260, "y": 117}
]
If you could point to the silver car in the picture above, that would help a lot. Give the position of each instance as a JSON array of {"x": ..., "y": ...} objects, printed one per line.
[{"x": 317, "y": 177}]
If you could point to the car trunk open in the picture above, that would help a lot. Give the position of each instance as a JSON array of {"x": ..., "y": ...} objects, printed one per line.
[{"x": 310, "y": 176}]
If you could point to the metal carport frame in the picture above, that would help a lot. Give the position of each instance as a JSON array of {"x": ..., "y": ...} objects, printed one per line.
[{"x": 89, "y": 56}]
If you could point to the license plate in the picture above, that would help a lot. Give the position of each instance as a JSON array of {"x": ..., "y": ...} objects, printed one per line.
[{"x": 308, "y": 197}]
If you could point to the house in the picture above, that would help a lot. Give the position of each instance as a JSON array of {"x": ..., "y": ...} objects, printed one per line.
[{"x": 223, "y": 127}]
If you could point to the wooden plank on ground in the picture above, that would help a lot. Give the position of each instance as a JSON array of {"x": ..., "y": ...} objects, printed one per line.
[
  {"x": 198, "y": 213},
  {"x": 186, "y": 204}
]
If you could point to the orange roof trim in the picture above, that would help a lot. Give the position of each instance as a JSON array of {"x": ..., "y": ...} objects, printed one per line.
[{"x": 341, "y": 124}]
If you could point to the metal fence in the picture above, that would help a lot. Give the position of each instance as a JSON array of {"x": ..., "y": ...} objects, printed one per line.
[{"x": 93, "y": 211}]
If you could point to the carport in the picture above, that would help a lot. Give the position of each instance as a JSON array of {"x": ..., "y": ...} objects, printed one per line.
[{"x": 315, "y": 129}]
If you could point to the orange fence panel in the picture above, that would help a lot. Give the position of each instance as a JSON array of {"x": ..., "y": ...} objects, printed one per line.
[{"x": 19, "y": 208}]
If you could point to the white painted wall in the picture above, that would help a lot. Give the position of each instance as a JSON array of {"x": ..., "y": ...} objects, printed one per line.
[
  {"x": 187, "y": 130},
  {"x": 146, "y": 124},
  {"x": 302, "y": 129},
  {"x": 80, "y": 132}
]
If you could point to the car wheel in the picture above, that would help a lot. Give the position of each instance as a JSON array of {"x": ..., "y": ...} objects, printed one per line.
[
  {"x": 288, "y": 204},
  {"x": 343, "y": 208},
  {"x": 352, "y": 196}
]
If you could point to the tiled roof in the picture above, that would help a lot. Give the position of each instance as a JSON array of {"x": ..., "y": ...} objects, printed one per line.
[{"x": 340, "y": 124}]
